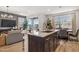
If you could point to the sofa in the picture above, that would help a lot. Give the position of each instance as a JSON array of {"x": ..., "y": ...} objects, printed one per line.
[{"x": 14, "y": 36}]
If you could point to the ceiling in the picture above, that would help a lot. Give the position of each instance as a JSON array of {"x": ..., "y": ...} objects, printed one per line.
[{"x": 33, "y": 10}]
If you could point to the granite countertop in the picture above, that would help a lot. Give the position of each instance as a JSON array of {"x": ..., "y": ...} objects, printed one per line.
[{"x": 42, "y": 33}]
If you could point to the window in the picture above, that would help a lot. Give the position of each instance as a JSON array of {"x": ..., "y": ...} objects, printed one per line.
[
  {"x": 21, "y": 22},
  {"x": 63, "y": 21},
  {"x": 33, "y": 23}
]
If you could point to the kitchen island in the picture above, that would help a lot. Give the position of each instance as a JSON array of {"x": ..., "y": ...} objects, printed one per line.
[{"x": 42, "y": 41}]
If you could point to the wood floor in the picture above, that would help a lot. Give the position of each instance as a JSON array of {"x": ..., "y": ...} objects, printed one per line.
[
  {"x": 63, "y": 47},
  {"x": 69, "y": 46},
  {"x": 17, "y": 47}
]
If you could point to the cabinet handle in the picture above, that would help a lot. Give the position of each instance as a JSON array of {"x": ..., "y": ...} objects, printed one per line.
[{"x": 47, "y": 39}]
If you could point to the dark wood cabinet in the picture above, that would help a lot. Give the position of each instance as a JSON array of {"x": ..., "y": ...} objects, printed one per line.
[
  {"x": 36, "y": 44},
  {"x": 43, "y": 44}
]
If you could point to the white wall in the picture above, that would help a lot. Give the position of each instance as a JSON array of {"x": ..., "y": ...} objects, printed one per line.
[
  {"x": 42, "y": 19},
  {"x": 77, "y": 19}
]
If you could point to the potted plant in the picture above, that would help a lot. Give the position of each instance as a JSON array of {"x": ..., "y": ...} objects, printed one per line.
[
  {"x": 49, "y": 26},
  {"x": 25, "y": 24}
]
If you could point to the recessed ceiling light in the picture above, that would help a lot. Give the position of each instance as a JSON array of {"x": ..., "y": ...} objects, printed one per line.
[
  {"x": 60, "y": 6},
  {"x": 48, "y": 10}
]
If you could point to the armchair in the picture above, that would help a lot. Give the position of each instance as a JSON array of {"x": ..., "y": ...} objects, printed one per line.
[{"x": 74, "y": 37}]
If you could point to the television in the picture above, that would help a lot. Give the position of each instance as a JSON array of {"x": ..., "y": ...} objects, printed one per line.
[{"x": 8, "y": 23}]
